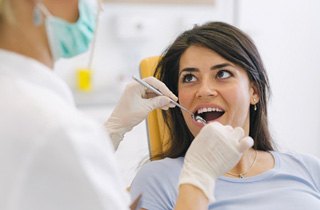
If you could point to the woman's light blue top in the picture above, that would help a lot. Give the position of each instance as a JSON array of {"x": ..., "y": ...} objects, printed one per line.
[{"x": 293, "y": 184}]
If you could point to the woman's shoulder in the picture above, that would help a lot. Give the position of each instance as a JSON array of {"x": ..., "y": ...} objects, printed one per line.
[
  {"x": 160, "y": 171},
  {"x": 305, "y": 163},
  {"x": 157, "y": 181},
  {"x": 304, "y": 166},
  {"x": 303, "y": 158},
  {"x": 158, "y": 168}
]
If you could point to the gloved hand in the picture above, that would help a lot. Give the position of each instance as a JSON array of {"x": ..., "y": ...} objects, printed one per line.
[
  {"x": 134, "y": 105},
  {"x": 214, "y": 151}
]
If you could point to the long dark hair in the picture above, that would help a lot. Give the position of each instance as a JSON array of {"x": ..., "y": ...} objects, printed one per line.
[{"x": 236, "y": 47}]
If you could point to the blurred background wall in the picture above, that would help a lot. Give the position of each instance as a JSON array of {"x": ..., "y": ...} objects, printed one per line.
[{"x": 286, "y": 33}]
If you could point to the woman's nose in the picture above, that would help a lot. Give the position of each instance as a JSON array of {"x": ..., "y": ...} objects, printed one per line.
[{"x": 206, "y": 89}]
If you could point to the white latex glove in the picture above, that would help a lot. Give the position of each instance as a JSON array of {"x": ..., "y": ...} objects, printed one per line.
[
  {"x": 214, "y": 151},
  {"x": 134, "y": 105}
]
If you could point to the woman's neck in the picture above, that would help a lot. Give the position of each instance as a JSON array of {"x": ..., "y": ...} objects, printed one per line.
[
  {"x": 252, "y": 163},
  {"x": 245, "y": 164}
]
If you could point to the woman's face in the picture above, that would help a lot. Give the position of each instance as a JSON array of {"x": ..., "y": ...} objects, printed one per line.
[{"x": 214, "y": 88}]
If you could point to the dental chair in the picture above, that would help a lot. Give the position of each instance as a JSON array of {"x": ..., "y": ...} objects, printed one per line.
[{"x": 158, "y": 138}]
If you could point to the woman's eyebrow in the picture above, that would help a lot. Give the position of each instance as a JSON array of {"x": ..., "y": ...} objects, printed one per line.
[
  {"x": 219, "y": 66},
  {"x": 188, "y": 69},
  {"x": 215, "y": 67}
]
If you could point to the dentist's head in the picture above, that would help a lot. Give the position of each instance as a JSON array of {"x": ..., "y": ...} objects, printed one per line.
[{"x": 47, "y": 30}]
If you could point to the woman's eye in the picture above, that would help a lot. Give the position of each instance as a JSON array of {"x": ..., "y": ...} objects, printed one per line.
[
  {"x": 223, "y": 74},
  {"x": 188, "y": 78}
]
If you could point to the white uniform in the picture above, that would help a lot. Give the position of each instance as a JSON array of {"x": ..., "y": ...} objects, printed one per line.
[{"x": 51, "y": 156}]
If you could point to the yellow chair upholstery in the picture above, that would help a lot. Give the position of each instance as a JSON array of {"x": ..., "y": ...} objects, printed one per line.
[{"x": 157, "y": 130}]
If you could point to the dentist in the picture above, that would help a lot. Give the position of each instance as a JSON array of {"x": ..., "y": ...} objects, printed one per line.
[{"x": 52, "y": 156}]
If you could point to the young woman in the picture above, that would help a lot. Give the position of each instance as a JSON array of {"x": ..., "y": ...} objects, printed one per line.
[{"x": 216, "y": 71}]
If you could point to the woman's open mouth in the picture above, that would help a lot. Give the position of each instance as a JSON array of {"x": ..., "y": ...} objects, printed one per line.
[{"x": 209, "y": 113}]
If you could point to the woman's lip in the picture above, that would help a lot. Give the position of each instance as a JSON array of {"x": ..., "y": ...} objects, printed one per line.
[{"x": 194, "y": 110}]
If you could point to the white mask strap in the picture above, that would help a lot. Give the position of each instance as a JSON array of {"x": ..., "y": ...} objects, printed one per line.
[
  {"x": 38, "y": 12},
  {"x": 43, "y": 9}
]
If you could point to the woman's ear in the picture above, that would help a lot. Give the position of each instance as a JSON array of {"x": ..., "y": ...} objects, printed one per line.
[{"x": 254, "y": 94}]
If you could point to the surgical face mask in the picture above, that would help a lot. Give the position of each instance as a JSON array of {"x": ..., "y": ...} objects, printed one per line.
[{"x": 68, "y": 39}]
